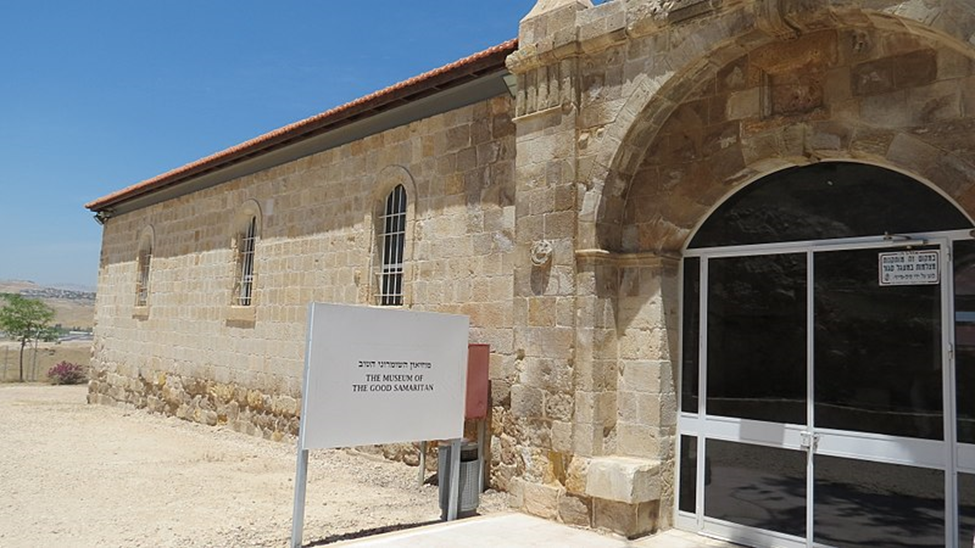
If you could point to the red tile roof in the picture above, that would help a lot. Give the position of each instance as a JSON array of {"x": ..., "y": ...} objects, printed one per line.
[{"x": 468, "y": 68}]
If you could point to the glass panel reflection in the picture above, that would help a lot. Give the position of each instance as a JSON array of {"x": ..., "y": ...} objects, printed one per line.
[
  {"x": 756, "y": 486},
  {"x": 965, "y": 338},
  {"x": 828, "y": 200},
  {"x": 688, "y": 474},
  {"x": 877, "y": 349},
  {"x": 691, "y": 334},
  {"x": 861, "y": 503},
  {"x": 757, "y": 338},
  {"x": 966, "y": 510}
]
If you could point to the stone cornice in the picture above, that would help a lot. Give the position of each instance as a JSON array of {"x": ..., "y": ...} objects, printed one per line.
[
  {"x": 531, "y": 57},
  {"x": 601, "y": 27},
  {"x": 592, "y": 30},
  {"x": 640, "y": 258}
]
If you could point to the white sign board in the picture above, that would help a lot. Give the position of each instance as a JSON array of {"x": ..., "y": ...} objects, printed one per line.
[
  {"x": 382, "y": 375},
  {"x": 910, "y": 267}
]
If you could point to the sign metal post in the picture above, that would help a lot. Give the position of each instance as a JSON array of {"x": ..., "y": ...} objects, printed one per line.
[
  {"x": 453, "y": 497},
  {"x": 301, "y": 481},
  {"x": 423, "y": 464}
]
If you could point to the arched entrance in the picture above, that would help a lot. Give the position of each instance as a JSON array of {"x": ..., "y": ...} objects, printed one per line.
[{"x": 828, "y": 332}]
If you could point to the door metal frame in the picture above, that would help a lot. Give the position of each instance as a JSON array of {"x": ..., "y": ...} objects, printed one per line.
[{"x": 946, "y": 455}]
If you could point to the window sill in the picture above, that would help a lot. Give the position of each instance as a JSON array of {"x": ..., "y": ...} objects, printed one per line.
[
  {"x": 241, "y": 314},
  {"x": 140, "y": 312}
]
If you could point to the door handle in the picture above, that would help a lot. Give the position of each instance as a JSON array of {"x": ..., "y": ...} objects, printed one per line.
[{"x": 809, "y": 441}]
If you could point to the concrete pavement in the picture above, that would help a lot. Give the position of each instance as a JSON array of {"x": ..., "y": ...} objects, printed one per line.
[{"x": 520, "y": 531}]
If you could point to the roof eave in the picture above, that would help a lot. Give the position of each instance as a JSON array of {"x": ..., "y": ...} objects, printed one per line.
[{"x": 432, "y": 82}]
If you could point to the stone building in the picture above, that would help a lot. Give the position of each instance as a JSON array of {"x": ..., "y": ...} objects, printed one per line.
[{"x": 722, "y": 252}]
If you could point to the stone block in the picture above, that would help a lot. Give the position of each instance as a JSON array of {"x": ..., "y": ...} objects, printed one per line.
[
  {"x": 893, "y": 73},
  {"x": 606, "y": 408},
  {"x": 641, "y": 376},
  {"x": 953, "y": 64},
  {"x": 559, "y": 407},
  {"x": 575, "y": 510},
  {"x": 541, "y": 311},
  {"x": 935, "y": 103},
  {"x": 815, "y": 49},
  {"x": 871, "y": 141},
  {"x": 542, "y": 500},
  {"x": 587, "y": 439},
  {"x": 623, "y": 479},
  {"x": 873, "y": 78},
  {"x": 744, "y": 104},
  {"x": 516, "y": 493},
  {"x": 830, "y": 136},
  {"x": 562, "y": 437},
  {"x": 576, "y": 475},
  {"x": 550, "y": 376},
  {"x": 907, "y": 150},
  {"x": 641, "y": 408},
  {"x": 638, "y": 439},
  {"x": 916, "y": 68},
  {"x": 796, "y": 95},
  {"x": 585, "y": 407},
  {"x": 527, "y": 401},
  {"x": 733, "y": 76},
  {"x": 629, "y": 520}
]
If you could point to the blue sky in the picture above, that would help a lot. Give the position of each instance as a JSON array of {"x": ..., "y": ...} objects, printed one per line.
[{"x": 95, "y": 96}]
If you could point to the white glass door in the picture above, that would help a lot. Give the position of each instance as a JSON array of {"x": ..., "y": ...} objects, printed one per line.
[
  {"x": 964, "y": 386},
  {"x": 813, "y": 395},
  {"x": 878, "y": 437}
]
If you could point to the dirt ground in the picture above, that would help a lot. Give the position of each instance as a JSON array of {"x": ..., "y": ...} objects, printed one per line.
[
  {"x": 73, "y": 474},
  {"x": 48, "y": 354}
]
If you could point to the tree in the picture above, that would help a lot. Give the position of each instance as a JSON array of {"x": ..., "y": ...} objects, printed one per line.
[{"x": 24, "y": 319}]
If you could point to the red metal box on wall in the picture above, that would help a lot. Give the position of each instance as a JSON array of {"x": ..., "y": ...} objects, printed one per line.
[{"x": 478, "y": 360}]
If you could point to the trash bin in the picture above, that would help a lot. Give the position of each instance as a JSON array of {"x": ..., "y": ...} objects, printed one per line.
[{"x": 468, "y": 493}]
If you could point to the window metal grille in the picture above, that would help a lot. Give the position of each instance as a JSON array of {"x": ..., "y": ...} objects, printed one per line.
[
  {"x": 393, "y": 240},
  {"x": 142, "y": 280},
  {"x": 245, "y": 265}
]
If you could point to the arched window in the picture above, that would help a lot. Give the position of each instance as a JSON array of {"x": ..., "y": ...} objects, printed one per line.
[
  {"x": 245, "y": 244},
  {"x": 392, "y": 242},
  {"x": 143, "y": 268}
]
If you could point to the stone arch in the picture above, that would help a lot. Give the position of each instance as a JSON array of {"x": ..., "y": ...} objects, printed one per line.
[
  {"x": 243, "y": 214},
  {"x": 146, "y": 237},
  {"x": 664, "y": 164},
  {"x": 388, "y": 178},
  {"x": 657, "y": 99}
]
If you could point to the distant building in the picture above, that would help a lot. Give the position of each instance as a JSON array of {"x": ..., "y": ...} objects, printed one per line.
[{"x": 722, "y": 253}]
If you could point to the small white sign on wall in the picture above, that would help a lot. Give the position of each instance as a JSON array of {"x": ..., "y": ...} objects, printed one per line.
[
  {"x": 910, "y": 267},
  {"x": 382, "y": 375}
]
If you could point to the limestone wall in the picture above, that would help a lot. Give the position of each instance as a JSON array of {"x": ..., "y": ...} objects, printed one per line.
[{"x": 189, "y": 353}]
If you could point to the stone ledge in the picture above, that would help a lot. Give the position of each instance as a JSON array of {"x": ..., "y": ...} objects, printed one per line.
[
  {"x": 241, "y": 314},
  {"x": 623, "y": 479}
]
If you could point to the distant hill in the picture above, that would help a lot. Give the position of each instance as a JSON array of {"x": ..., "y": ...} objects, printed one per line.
[
  {"x": 73, "y": 306},
  {"x": 74, "y": 287}
]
